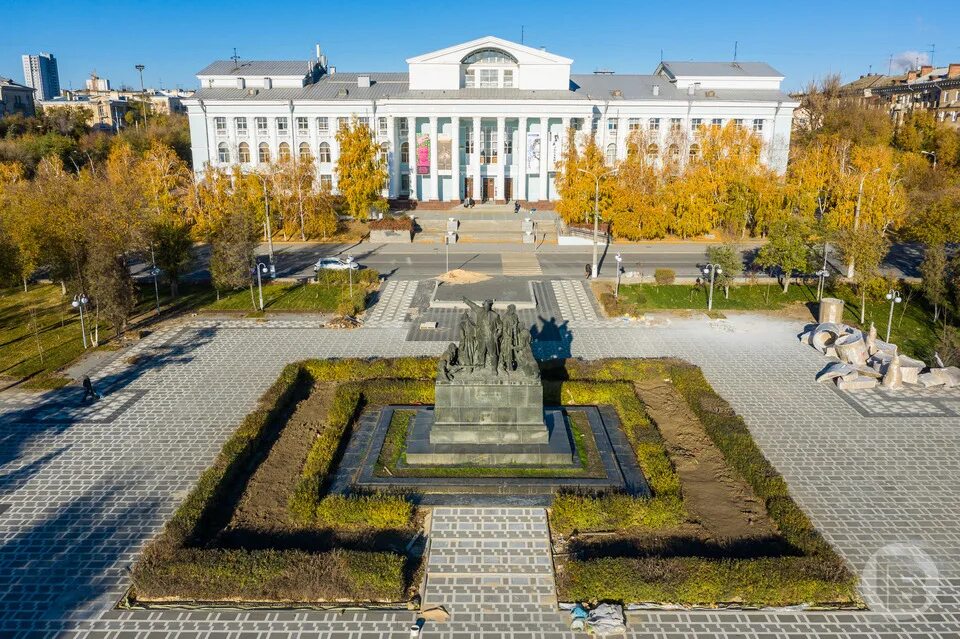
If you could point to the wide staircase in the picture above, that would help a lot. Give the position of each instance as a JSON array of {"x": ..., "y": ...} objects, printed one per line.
[{"x": 486, "y": 223}]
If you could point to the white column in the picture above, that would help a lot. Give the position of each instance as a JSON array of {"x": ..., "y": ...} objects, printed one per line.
[
  {"x": 412, "y": 154},
  {"x": 434, "y": 192},
  {"x": 476, "y": 158},
  {"x": 520, "y": 161},
  {"x": 393, "y": 129},
  {"x": 499, "y": 189},
  {"x": 544, "y": 143},
  {"x": 454, "y": 195}
]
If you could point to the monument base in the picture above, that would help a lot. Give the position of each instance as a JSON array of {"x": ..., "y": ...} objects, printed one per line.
[
  {"x": 475, "y": 409},
  {"x": 556, "y": 450}
]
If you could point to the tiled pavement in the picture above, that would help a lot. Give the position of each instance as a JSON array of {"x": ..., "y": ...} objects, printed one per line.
[
  {"x": 576, "y": 303},
  {"x": 394, "y": 303},
  {"x": 83, "y": 497}
]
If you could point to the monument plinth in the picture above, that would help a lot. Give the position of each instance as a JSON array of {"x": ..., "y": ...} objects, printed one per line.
[{"x": 489, "y": 399}]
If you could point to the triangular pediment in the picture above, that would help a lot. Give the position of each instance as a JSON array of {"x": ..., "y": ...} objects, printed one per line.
[{"x": 456, "y": 53}]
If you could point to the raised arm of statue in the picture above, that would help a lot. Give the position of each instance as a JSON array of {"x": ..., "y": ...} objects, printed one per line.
[{"x": 476, "y": 307}]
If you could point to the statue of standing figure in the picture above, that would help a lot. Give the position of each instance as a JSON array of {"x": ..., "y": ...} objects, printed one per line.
[
  {"x": 489, "y": 342},
  {"x": 509, "y": 338},
  {"x": 487, "y": 335}
]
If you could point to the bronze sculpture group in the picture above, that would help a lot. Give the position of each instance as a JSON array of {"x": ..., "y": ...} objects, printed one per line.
[{"x": 491, "y": 345}]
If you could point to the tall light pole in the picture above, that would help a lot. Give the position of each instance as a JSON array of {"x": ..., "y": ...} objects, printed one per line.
[
  {"x": 856, "y": 213},
  {"x": 350, "y": 274},
  {"x": 266, "y": 222},
  {"x": 449, "y": 238},
  {"x": 596, "y": 215},
  {"x": 894, "y": 297},
  {"x": 79, "y": 301},
  {"x": 822, "y": 274},
  {"x": 143, "y": 93},
  {"x": 616, "y": 291},
  {"x": 712, "y": 270},
  {"x": 260, "y": 268}
]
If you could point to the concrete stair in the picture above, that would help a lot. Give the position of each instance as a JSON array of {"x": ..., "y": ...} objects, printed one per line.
[{"x": 493, "y": 225}]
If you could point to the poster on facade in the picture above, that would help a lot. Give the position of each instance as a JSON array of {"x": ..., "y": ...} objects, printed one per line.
[
  {"x": 444, "y": 153},
  {"x": 423, "y": 154},
  {"x": 533, "y": 152},
  {"x": 554, "y": 150}
]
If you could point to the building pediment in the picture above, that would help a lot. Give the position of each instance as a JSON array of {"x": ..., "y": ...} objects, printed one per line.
[{"x": 522, "y": 53}]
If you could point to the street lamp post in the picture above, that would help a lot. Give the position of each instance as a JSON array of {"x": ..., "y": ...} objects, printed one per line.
[
  {"x": 449, "y": 237},
  {"x": 596, "y": 215},
  {"x": 894, "y": 297},
  {"x": 260, "y": 268},
  {"x": 616, "y": 291},
  {"x": 822, "y": 274},
  {"x": 712, "y": 270},
  {"x": 266, "y": 222},
  {"x": 143, "y": 93},
  {"x": 350, "y": 274},
  {"x": 154, "y": 271},
  {"x": 856, "y": 213},
  {"x": 79, "y": 301}
]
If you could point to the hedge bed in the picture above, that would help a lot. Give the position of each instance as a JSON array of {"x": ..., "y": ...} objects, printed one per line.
[
  {"x": 812, "y": 574},
  {"x": 183, "y": 564}
]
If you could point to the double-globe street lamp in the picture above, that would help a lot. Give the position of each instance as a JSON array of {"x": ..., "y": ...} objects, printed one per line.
[
  {"x": 616, "y": 291},
  {"x": 894, "y": 296},
  {"x": 259, "y": 268},
  {"x": 596, "y": 215},
  {"x": 712, "y": 270},
  {"x": 822, "y": 274},
  {"x": 79, "y": 301}
]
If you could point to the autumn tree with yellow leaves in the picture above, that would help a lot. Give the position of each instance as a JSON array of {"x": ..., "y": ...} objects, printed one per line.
[{"x": 361, "y": 170}]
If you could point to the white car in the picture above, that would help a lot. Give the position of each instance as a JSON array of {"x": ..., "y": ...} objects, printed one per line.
[{"x": 334, "y": 264}]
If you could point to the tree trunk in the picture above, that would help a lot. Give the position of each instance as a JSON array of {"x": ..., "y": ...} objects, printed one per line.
[
  {"x": 726, "y": 291},
  {"x": 863, "y": 305},
  {"x": 786, "y": 284},
  {"x": 63, "y": 287},
  {"x": 936, "y": 311},
  {"x": 174, "y": 287},
  {"x": 24, "y": 283}
]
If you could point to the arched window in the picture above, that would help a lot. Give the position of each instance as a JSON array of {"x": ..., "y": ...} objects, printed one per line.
[
  {"x": 243, "y": 153},
  {"x": 489, "y": 68},
  {"x": 652, "y": 150},
  {"x": 263, "y": 153},
  {"x": 694, "y": 152},
  {"x": 223, "y": 153},
  {"x": 284, "y": 151},
  {"x": 384, "y": 152},
  {"x": 489, "y": 56},
  {"x": 611, "y": 157},
  {"x": 324, "y": 153},
  {"x": 304, "y": 151},
  {"x": 405, "y": 153},
  {"x": 674, "y": 153}
]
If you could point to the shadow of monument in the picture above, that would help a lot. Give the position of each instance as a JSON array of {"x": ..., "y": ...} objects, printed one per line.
[
  {"x": 684, "y": 546},
  {"x": 552, "y": 339}
]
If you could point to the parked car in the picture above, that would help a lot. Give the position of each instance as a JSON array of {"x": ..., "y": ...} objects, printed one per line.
[{"x": 334, "y": 264}]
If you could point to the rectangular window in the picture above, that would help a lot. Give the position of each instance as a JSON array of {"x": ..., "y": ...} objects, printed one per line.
[
  {"x": 282, "y": 126},
  {"x": 654, "y": 124},
  {"x": 468, "y": 140},
  {"x": 489, "y": 78},
  {"x": 633, "y": 124},
  {"x": 241, "y": 125},
  {"x": 220, "y": 124},
  {"x": 303, "y": 126},
  {"x": 508, "y": 143},
  {"x": 342, "y": 122},
  {"x": 716, "y": 122},
  {"x": 508, "y": 78},
  {"x": 676, "y": 124},
  {"x": 403, "y": 125},
  {"x": 323, "y": 125},
  {"x": 364, "y": 122},
  {"x": 758, "y": 126},
  {"x": 382, "y": 126},
  {"x": 576, "y": 124},
  {"x": 470, "y": 79},
  {"x": 488, "y": 146},
  {"x": 261, "y": 125},
  {"x": 594, "y": 123},
  {"x": 326, "y": 182},
  {"x": 612, "y": 125},
  {"x": 695, "y": 124},
  {"x": 738, "y": 123}
]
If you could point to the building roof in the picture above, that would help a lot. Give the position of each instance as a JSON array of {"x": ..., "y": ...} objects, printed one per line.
[
  {"x": 394, "y": 85},
  {"x": 259, "y": 67},
  {"x": 7, "y": 82},
  {"x": 721, "y": 69}
]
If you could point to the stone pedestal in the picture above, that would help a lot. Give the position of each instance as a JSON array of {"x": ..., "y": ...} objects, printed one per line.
[
  {"x": 830, "y": 311},
  {"x": 505, "y": 410}
]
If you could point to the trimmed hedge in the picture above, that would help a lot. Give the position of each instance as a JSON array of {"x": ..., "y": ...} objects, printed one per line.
[{"x": 816, "y": 576}]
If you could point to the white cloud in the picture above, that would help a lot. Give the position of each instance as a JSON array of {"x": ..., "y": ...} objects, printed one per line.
[{"x": 909, "y": 60}]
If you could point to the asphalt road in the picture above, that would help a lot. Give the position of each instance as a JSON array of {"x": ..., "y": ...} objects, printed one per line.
[{"x": 419, "y": 261}]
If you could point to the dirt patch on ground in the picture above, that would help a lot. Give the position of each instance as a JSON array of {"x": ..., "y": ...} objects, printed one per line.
[
  {"x": 460, "y": 276},
  {"x": 263, "y": 506},
  {"x": 714, "y": 495}
]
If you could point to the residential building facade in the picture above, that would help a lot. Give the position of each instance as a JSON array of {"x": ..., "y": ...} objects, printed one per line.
[
  {"x": 485, "y": 119},
  {"x": 15, "y": 98},
  {"x": 924, "y": 89},
  {"x": 103, "y": 112},
  {"x": 40, "y": 72}
]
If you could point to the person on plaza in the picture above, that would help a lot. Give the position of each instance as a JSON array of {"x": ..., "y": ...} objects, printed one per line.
[
  {"x": 88, "y": 390},
  {"x": 586, "y": 271},
  {"x": 516, "y": 207}
]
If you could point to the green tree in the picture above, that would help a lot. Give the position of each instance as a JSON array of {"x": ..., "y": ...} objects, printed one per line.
[
  {"x": 361, "y": 170},
  {"x": 866, "y": 247},
  {"x": 787, "y": 248},
  {"x": 727, "y": 257},
  {"x": 933, "y": 270},
  {"x": 233, "y": 242}
]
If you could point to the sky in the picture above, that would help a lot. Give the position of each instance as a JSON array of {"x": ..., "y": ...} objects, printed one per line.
[{"x": 174, "y": 39}]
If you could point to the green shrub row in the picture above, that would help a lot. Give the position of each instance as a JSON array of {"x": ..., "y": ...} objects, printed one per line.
[
  {"x": 368, "y": 511},
  {"x": 695, "y": 581}
]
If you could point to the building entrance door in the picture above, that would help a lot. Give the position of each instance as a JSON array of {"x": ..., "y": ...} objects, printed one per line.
[
  {"x": 489, "y": 189},
  {"x": 507, "y": 189},
  {"x": 467, "y": 188}
]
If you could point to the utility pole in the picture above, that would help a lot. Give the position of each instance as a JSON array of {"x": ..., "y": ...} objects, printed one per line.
[{"x": 143, "y": 93}]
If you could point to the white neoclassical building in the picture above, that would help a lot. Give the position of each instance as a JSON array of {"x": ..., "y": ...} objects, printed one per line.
[{"x": 483, "y": 119}]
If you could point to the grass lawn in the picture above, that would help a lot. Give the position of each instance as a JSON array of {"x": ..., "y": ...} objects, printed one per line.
[
  {"x": 280, "y": 296},
  {"x": 912, "y": 328}
]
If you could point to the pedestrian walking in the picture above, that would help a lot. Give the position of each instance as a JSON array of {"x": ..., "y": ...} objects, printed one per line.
[
  {"x": 516, "y": 206},
  {"x": 586, "y": 271},
  {"x": 88, "y": 390}
]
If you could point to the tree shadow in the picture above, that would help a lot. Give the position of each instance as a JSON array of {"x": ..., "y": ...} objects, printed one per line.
[{"x": 552, "y": 339}]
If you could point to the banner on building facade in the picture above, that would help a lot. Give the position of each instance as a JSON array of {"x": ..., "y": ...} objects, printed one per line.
[
  {"x": 423, "y": 154},
  {"x": 444, "y": 153},
  {"x": 554, "y": 150},
  {"x": 533, "y": 151}
]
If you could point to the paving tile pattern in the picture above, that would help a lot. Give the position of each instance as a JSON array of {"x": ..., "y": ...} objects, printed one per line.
[
  {"x": 83, "y": 498},
  {"x": 576, "y": 303},
  {"x": 393, "y": 304}
]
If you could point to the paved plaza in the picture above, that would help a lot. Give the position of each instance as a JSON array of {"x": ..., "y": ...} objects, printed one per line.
[{"x": 83, "y": 488}]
